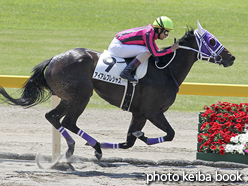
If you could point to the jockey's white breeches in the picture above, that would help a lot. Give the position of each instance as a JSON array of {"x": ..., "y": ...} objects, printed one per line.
[{"x": 116, "y": 48}]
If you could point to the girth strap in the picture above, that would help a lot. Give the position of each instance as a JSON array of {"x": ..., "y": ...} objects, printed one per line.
[{"x": 128, "y": 96}]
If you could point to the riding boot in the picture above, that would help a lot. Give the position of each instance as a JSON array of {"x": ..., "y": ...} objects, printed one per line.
[{"x": 128, "y": 72}]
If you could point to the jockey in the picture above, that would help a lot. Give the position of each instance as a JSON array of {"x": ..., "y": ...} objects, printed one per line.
[{"x": 140, "y": 43}]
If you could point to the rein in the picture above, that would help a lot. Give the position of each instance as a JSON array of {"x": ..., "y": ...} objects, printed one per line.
[
  {"x": 157, "y": 61},
  {"x": 174, "y": 79}
]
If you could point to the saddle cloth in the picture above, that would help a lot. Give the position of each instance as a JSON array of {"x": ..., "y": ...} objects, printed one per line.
[{"x": 109, "y": 67}]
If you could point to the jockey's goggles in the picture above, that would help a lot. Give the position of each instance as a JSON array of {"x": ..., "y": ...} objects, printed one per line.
[{"x": 166, "y": 32}]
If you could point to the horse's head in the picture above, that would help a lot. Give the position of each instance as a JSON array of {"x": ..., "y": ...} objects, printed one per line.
[{"x": 211, "y": 49}]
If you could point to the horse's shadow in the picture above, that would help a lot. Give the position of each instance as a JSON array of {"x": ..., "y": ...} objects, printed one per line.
[
  {"x": 97, "y": 169},
  {"x": 68, "y": 169}
]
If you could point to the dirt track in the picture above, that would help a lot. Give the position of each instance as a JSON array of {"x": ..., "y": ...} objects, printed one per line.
[{"x": 26, "y": 133}]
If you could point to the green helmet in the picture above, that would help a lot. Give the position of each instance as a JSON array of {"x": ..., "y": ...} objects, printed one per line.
[{"x": 163, "y": 22}]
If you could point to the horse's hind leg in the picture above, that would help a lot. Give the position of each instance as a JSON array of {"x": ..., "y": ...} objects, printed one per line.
[
  {"x": 54, "y": 117},
  {"x": 71, "y": 112},
  {"x": 75, "y": 109}
]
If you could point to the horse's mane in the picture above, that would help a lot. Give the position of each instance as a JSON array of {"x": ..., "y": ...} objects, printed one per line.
[{"x": 189, "y": 34}]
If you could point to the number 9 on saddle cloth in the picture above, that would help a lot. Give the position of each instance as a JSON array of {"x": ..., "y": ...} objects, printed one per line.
[{"x": 108, "y": 69}]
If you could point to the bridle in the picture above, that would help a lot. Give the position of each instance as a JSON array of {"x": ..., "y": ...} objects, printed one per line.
[
  {"x": 205, "y": 52},
  {"x": 206, "y": 49}
]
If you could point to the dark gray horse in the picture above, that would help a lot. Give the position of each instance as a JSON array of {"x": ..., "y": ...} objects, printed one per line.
[{"x": 69, "y": 76}]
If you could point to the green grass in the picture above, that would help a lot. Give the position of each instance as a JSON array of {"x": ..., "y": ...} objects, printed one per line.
[{"x": 32, "y": 31}]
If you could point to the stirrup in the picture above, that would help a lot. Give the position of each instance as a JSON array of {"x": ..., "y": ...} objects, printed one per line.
[
  {"x": 124, "y": 76},
  {"x": 136, "y": 80}
]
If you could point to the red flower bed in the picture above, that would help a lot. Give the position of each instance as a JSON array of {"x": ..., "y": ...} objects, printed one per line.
[{"x": 221, "y": 121}]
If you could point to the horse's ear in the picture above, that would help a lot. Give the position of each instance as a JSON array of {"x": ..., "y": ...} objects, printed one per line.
[{"x": 200, "y": 30}]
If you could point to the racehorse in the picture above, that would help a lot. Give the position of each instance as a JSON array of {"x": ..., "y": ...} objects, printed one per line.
[{"x": 69, "y": 76}]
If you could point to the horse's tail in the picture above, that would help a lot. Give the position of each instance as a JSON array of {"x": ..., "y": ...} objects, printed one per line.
[{"x": 34, "y": 91}]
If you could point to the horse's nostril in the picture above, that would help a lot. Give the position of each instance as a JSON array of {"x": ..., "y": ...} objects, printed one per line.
[{"x": 232, "y": 58}]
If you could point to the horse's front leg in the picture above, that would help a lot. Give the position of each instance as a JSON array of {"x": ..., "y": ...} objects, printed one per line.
[
  {"x": 161, "y": 122},
  {"x": 137, "y": 123}
]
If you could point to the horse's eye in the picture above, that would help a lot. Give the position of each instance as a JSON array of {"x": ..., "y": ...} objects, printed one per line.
[{"x": 212, "y": 42}]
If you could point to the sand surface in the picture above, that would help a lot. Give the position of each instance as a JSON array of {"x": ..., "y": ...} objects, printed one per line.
[{"x": 24, "y": 133}]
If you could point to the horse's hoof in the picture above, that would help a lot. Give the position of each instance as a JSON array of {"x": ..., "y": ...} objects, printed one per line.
[
  {"x": 70, "y": 150},
  {"x": 98, "y": 152},
  {"x": 98, "y": 155},
  {"x": 87, "y": 144},
  {"x": 68, "y": 154}
]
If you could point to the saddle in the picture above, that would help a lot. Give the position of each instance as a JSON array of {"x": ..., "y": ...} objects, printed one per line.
[{"x": 108, "y": 69}]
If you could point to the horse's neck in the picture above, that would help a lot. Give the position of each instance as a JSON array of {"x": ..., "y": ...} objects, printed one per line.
[{"x": 183, "y": 65}]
